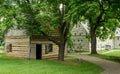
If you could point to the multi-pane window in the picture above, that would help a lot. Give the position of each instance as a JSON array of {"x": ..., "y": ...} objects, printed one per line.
[
  {"x": 48, "y": 48},
  {"x": 117, "y": 38}
]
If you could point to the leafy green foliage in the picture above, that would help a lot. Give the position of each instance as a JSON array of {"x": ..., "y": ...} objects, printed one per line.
[
  {"x": 39, "y": 17},
  {"x": 90, "y": 10}
]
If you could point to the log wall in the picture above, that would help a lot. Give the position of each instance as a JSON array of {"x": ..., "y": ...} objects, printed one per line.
[
  {"x": 20, "y": 46},
  {"x": 52, "y": 54}
]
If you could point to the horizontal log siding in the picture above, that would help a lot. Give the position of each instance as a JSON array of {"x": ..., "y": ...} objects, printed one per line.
[
  {"x": 20, "y": 46},
  {"x": 43, "y": 43}
]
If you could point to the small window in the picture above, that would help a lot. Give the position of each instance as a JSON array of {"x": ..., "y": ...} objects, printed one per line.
[
  {"x": 117, "y": 32},
  {"x": 48, "y": 48},
  {"x": 118, "y": 38},
  {"x": 75, "y": 34},
  {"x": 74, "y": 40},
  {"x": 119, "y": 44},
  {"x": 81, "y": 40},
  {"x": 9, "y": 48}
]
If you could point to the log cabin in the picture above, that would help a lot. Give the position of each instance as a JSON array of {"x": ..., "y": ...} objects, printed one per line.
[{"x": 20, "y": 45}]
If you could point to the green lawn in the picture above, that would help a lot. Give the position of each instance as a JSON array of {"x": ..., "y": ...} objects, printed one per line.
[
  {"x": 110, "y": 55},
  {"x": 17, "y": 66},
  {"x": 113, "y": 53},
  {"x": 105, "y": 54}
]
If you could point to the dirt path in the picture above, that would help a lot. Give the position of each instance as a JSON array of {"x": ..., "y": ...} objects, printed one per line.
[{"x": 108, "y": 66}]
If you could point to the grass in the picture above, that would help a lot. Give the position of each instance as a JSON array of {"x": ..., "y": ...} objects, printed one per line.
[
  {"x": 109, "y": 55},
  {"x": 16, "y": 66},
  {"x": 113, "y": 53},
  {"x": 105, "y": 54}
]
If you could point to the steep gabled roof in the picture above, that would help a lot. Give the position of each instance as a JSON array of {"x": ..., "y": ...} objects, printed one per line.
[
  {"x": 85, "y": 26},
  {"x": 77, "y": 27}
]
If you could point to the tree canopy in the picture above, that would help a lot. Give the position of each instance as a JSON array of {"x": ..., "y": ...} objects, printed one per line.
[
  {"x": 103, "y": 17},
  {"x": 41, "y": 16}
]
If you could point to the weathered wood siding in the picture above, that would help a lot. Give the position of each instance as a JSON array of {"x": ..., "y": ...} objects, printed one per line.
[
  {"x": 20, "y": 43},
  {"x": 20, "y": 46},
  {"x": 24, "y": 46},
  {"x": 43, "y": 41}
]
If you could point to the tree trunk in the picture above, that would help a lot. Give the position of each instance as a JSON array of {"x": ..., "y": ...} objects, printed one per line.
[
  {"x": 61, "y": 49},
  {"x": 61, "y": 52},
  {"x": 93, "y": 41}
]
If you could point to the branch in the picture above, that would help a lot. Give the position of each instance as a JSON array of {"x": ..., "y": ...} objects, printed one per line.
[
  {"x": 51, "y": 38},
  {"x": 67, "y": 30},
  {"x": 100, "y": 15},
  {"x": 61, "y": 18}
]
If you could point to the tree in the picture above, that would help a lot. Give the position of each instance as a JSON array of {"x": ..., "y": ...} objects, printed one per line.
[
  {"x": 57, "y": 11},
  {"x": 60, "y": 9},
  {"x": 6, "y": 17},
  {"x": 100, "y": 15},
  {"x": 39, "y": 16}
]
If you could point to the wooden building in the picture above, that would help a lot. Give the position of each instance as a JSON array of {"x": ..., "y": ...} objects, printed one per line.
[
  {"x": 79, "y": 34},
  {"x": 19, "y": 45}
]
